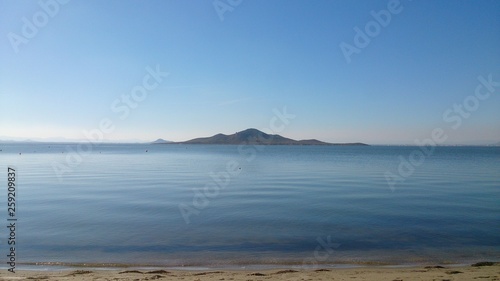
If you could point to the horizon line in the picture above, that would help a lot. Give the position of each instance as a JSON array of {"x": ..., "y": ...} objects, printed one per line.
[{"x": 107, "y": 141}]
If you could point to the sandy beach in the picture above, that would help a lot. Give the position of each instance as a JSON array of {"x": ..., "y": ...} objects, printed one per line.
[{"x": 431, "y": 273}]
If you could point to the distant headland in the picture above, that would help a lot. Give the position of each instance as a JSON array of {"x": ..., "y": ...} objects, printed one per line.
[{"x": 254, "y": 137}]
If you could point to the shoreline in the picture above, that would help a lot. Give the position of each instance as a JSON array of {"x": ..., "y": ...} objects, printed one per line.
[
  {"x": 375, "y": 273},
  {"x": 63, "y": 266}
]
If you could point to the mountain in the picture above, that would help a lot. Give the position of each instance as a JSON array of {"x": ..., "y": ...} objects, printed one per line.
[
  {"x": 159, "y": 141},
  {"x": 256, "y": 137}
]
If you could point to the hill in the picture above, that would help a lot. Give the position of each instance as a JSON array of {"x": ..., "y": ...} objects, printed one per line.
[
  {"x": 159, "y": 141},
  {"x": 256, "y": 137}
]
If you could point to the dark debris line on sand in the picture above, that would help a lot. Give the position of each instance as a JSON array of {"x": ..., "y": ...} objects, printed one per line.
[
  {"x": 78, "y": 272},
  {"x": 484, "y": 263},
  {"x": 277, "y": 272},
  {"x": 286, "y": 271},
  {"x": 436, "y": 266},
  {"x": 158, "y": 272},
  {"x": 257, "y": 274},
  {"x": 131, "y": 271},
  {"x": 161, "y": 271}
]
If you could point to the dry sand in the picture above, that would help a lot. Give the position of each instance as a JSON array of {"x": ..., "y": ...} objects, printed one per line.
[{"x": 468, "y": 273}]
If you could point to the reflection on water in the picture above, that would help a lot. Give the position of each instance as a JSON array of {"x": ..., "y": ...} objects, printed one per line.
[{"x": 120, "y": 204}]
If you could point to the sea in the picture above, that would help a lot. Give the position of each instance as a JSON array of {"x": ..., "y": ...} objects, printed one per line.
[{"x": 236, "y": 206}]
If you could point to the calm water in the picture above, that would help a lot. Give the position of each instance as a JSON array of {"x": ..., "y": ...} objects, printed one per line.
[{"x": 120, "y": 204}]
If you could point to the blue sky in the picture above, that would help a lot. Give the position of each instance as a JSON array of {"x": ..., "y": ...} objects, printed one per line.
[{"x": 228, "y": 75}]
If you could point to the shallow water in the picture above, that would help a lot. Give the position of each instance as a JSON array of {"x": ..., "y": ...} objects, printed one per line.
[{"x": 120, "y": 204}]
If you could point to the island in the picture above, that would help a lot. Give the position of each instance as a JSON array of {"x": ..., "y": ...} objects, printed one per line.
[
  {"x": 255, "y": 137},
  {"x": 158, "y": 141}
]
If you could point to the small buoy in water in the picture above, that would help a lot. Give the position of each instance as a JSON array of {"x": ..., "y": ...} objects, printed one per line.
[
  {"x": 146, "y": 150},
  {"x": 19, "y": 153}
]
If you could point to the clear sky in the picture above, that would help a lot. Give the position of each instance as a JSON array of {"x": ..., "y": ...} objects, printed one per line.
[{"x": 228, "y": 69}]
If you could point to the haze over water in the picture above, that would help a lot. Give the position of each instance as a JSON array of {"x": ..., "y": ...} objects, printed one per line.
[{"x": 121, "y": 205}]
